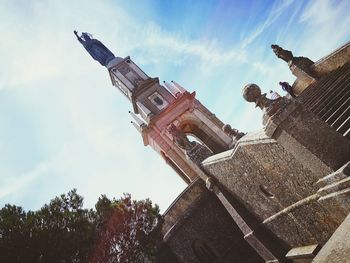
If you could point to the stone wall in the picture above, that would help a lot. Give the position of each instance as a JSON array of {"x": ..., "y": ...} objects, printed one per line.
[
  {"x": 206, "y": 222},
  {"x": 186, "y": 201},
  {"x": 278, "y": 189},
  {"x": 261, "y": 174}
]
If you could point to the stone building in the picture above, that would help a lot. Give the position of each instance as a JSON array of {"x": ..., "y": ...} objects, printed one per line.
[{"x": 276, "y": 195}]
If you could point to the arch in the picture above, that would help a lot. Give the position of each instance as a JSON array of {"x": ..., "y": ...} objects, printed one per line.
[
  {"x": 203, "y": 252},
  {"x": 204, "y": 134}
]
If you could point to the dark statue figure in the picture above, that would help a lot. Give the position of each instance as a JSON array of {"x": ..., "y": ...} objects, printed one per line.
[
  {"x": 303, "y": 63},
  {"x": 95, "y": 48},
  {"x": 281, "y": 53},
  {"x": 232, "y": 132},
  {"x": 180, "y": 138}
]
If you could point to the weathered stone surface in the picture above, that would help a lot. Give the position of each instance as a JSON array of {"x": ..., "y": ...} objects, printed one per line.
[
  {"x": 198, "y": 153},
  {"x": 208, "y": 222},
  {"x": 165, "y": 255},
  {"x": 304, "y": 79},
  {"x": 186, "y": 201},
  {"x": 256, "y": 166},
  {"x": 337, "y": 203},
  {"x": 340, "y": 174},
  {"x": 309, "y": 139},
  {"x": 280, "y": 191},
  {"x": 317, "y": 216},
  {"x": 304, "y": 224},
  {"x": 337, "y": 249}
]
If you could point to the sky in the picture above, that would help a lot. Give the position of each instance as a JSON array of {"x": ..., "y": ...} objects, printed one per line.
[{"x": 62, "y": 123}]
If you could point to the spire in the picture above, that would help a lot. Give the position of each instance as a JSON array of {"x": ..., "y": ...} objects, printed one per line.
[
  {"x": 179, "y": 87},
  {"x": 175, "y": 91},
  {"x": 138, "y": 120},
  {"x": 138, "y": 123},
  {"x": 138, "y": 127}
]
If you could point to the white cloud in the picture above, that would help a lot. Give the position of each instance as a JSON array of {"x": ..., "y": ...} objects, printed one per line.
[
  {"x": 276, "y": 11},
  {"x": 14, "y": 185},
  {"x": 326, "y": 26},
  {"x": 263, "y": 68},
  {"x": 159, "y": 46}
]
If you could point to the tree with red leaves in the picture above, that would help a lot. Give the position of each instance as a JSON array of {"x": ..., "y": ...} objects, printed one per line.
[
  {"x": 119, "y": 230},
  {"x": 128, "y": 230}
]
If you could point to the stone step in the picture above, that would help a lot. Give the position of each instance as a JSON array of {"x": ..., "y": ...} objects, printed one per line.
[
  {"x": 341, "y": 119},
  {"x": 336, "y": 86},
  {"x": 347, "y": 134},
  {"x": 340, "y": 106},
  {"x": 329, "y": 99},
  {"x": 337, "y": 97},
  {"x": 313, "y": 89},
  {"x": 339, "y": 116},
  {"x": 318, "y": 88},
  {"x": 345, "y": 125}
]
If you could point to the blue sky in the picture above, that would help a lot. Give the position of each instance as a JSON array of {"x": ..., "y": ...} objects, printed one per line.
[{"x": 63, "y": 125}]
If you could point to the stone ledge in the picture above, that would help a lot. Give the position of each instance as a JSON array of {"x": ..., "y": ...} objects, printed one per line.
[
  {"x": 250, "y": 138},
  {"x": 303, "y": 254},
  {"x": 332, "y": 61}
]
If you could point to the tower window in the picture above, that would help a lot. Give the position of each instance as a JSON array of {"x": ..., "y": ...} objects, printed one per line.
[{"x": 158, "y": 100}]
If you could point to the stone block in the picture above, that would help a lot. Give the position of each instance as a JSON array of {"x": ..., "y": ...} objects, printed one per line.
[
  {"x": 310, "y": 140},
  {"x": 303, "y": 254}
]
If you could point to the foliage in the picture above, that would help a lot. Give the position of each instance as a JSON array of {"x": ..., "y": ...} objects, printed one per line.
[{"x": 122, "y": 230}]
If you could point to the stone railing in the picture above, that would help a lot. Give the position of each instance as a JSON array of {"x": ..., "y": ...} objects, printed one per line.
[{"x": 181, "y": 206}]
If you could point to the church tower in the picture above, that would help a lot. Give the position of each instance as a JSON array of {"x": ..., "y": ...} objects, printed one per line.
[{"x": 167, "y": 116}]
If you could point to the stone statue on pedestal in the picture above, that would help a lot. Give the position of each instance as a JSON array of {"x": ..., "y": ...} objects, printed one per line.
[
  {"x": 252, "y": 93},
  {"x": 281, "y": 53},
  {"x": 303, "y": 63},
  {"x": 232, "y": 132},
  {"x": 95, "y": 48}
]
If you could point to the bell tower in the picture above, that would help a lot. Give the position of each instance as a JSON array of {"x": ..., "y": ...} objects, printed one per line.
[{"x": 167, "y": 116}]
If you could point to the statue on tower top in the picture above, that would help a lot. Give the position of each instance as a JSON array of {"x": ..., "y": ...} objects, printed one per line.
[{"x": 95, "y": 48}]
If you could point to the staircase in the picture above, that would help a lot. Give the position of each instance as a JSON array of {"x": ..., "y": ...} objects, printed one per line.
[{"x": 329, "y": 99}]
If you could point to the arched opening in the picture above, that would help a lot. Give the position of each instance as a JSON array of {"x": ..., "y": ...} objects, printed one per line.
[
  {"x": 192, "y": 138},
  {"x": 203, "y": 252},
  {"x": 206, "y": 137}
]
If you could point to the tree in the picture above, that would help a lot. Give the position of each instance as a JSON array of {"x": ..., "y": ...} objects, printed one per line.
[
  {"x": 120, "y": 230},
  {"x": 129, "y": 230}
]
